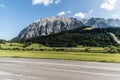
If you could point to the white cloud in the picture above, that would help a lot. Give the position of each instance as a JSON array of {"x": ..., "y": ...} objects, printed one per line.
[
  {"x": 63, "y": 13},
  {"x": 80, "y": 15},
  {"x": 89, "y": 14},
  {"x": 68, "y": 11},
  {"x": 57, "y": 1},
  {"x": 45, "y": 2},
  {"x": 108, "y": 4},
  {"x": 115, "y": 16},
  {"x": 91, "y": 11},
  {"x": 2, "y": 5}
]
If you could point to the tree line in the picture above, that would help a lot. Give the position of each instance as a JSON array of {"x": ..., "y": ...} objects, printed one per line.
[{"x": 80, "y": 36}]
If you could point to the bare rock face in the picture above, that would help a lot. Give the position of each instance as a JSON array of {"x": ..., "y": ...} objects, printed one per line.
[
  {"x": 101, "y": 22},
  {"x": 50, "y": 25}
]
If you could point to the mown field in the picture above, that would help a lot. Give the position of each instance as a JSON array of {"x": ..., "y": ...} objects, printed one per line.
[
  {"x": 82, "y": 56},
  {"x": 80, "y": 53}
]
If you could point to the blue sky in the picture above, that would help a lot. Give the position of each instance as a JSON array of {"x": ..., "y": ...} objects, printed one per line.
[{"x": 15, "y": 15}]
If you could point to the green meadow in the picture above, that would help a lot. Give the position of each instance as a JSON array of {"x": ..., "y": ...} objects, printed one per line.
[
  {"x": 80, "y": 53},
  {"x": 80, "y": 56}
]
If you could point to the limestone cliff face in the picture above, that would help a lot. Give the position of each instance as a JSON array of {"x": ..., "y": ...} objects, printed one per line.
[
  {"x": 50, "y": 25},
  {"x": 56, "y": 24},
  {"x": 101, "y": 22}
]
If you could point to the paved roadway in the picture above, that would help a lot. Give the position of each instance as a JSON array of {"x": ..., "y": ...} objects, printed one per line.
[{"x": 45, "y": 69}]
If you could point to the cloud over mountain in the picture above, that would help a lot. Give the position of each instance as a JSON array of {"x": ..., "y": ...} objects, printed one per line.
[
  {"x": 80, "y": 15},
  {"x": 45, "y": 2},
  {"x": 63, "y": 13},
  {"x": 108, "y": 4}
]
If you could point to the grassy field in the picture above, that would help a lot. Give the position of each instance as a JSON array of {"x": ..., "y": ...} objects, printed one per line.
[
  {"x": 80, "y": 56},
  {"x": 19, "y": 46},
  {"x": 16, "y": 50}
]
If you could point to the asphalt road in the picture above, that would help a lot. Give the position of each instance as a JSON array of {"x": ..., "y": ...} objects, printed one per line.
[{"x": 45, "y": 69}]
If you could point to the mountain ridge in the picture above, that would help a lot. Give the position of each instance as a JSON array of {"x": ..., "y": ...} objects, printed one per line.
[
  {"x": 56, "y": 24},
  {"x": 101, "y": 22},
  {"x": 84, "y": 36}
]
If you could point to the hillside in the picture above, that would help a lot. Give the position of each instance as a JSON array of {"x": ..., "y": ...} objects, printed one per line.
[
  {"x": 85, "y": 36},
  {"x": 50, "y": 25},
  {"x": 101, "y": 22},
  {"x": 56, "y": 24},
  {"x": 115, "y": 38}
]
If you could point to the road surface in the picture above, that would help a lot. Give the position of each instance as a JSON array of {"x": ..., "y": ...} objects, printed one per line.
[{"x": 45, "y": 69}]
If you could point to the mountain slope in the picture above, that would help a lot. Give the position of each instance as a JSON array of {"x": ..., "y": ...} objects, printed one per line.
[
  {"x": 101, "y": 22},
  {"x": 50, "y": 25},
  {"x": 80, "y": 36},
  {"x": 56, "y": 24},
  {"x": 115, "y": 38}
]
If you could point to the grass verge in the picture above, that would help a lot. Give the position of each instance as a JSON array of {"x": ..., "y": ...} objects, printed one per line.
[{"x": 80, "y": 56}]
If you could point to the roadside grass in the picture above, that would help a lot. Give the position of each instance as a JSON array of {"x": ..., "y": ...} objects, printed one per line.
[
  {"x": 61, "y": 55},
  {"x": 98, "y": 54}
]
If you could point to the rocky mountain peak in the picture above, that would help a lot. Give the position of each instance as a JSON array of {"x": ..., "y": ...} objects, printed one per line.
[
  {"x": 49, "y": 25},
  {"x": 101, "y": 22},
  {"x": 56, "y": 24}
]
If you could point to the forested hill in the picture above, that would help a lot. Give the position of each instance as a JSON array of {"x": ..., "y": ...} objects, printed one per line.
[
  {"x": 86, "y": 36},
  {"x": 56, "y": 24}
]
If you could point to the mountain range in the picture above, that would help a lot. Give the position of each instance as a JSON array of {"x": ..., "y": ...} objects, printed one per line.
[
  {"x": 84, "y": 35},
  {"x": 56, "y": 24},
  {"x": 101, "y": 22}
]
